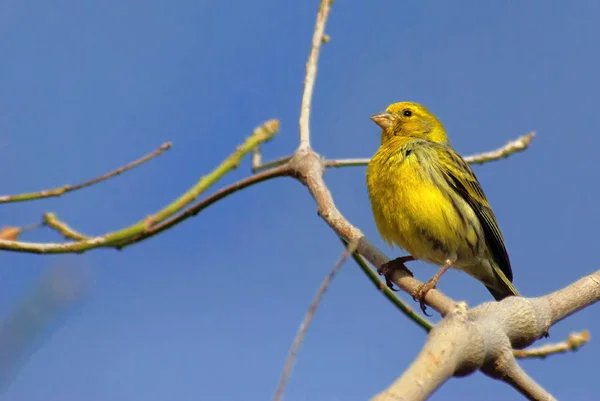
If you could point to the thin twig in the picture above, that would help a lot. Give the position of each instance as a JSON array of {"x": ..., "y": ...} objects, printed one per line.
[
  {"x": 258, "y": 166},
  {"x": 311, "y": 73},
  {"x": 51, "y": 221},
  {"x": 572, "y": 343},
  {"x": 514, "y": 146},
  {"x": 289, "y": 363},
  {"x": 49, "y": 193},
  {"x": 517, "y": 145},
  {"x": 347, "y": 162}
]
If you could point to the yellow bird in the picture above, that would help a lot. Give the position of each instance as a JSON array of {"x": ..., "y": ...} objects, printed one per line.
[{"x": 427, "y": 200}]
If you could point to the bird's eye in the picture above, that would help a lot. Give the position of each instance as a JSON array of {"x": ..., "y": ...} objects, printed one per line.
[{"x": 407, "y": 113}]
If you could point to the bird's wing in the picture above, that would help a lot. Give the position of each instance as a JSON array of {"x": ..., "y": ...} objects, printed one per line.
[{"x": 460, "y": 176}]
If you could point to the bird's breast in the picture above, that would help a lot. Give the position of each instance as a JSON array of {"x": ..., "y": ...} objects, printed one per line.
[{"x": 418, "y": 211}]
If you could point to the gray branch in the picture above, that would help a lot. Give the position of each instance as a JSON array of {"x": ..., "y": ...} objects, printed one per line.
[{"x": 482, "y": 338}]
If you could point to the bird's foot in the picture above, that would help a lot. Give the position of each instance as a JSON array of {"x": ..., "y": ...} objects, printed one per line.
[
  {"x": 387, "y": 268},
  {"x": 421, "y": 292}
]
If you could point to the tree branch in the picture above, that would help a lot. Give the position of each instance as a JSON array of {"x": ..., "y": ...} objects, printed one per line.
[
  {"x": 311, "y": 73},
  {"x": 514, "y": 375},
  {"x": 515, "y": 146},
  {"x": 289, "y": 363},
  {"x": 258, "y": 165},
  {"x": 512, "y": 147},
  {"x": 51, "y": 221},
  {"x": 430, "y": 369},
  {"x": 481, "y": 339},
  {"x": 49, "y": 193},
  {"x": 112, "y": 239},
  {"x": 193, "y": 210},
  {"x": 572, "y": 343}
]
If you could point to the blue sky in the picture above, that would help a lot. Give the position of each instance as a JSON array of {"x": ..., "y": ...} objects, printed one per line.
[{"x": 208, "y": 309}]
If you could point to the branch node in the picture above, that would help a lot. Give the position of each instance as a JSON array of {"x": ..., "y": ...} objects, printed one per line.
[{"x": 307, "y": 160}]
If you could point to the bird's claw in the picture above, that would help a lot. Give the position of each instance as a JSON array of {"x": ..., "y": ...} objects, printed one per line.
[
  {"x": 421, "y": 292},
  {"x": 384, "y": 270},
  {"x": 387, "y": 268}
]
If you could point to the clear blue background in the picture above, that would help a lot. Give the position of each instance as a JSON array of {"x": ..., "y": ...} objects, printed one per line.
[{"x": 208, "y": 309}]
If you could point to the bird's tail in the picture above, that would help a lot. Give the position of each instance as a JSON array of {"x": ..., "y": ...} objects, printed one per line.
[{"x": 503, "y": 287}]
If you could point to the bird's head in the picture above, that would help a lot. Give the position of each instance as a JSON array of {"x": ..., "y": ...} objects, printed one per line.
[{"x": 407, "y": 119}]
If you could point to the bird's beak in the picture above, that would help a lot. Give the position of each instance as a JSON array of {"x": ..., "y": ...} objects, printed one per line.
[{"x": 384, "y": 120}]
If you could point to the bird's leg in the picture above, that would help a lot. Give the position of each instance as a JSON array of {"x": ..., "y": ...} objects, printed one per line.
[
  {"x": 421, "y": 292},
  {"x": 387, "y": 268}
]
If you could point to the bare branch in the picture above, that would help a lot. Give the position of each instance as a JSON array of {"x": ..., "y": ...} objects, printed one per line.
[
  {"x": 514, "y": 375},
  {"x": 289, "y": 363},
  {"x": 482, "y": 339},
  {"x": 575, "y": 297},
  {"x": 258, "y": 166},
  {"x": 261, "y": 134},
  {"x": 51, "y": 221},
  {"x": 337, "y": 163},
  {"x": 49, "y": 193},
  {"x": 193, "y": 210},
  {"x": 433, "y": 368},
  {"x": 518, "y": 145},
  {"x": 311, "y": 74},
  {"x": 572, "y": 343},
  {"x": 512, "y": 147}
]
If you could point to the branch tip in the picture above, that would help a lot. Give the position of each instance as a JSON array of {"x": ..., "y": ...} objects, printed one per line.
[{"x": 573, "y": 342}]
